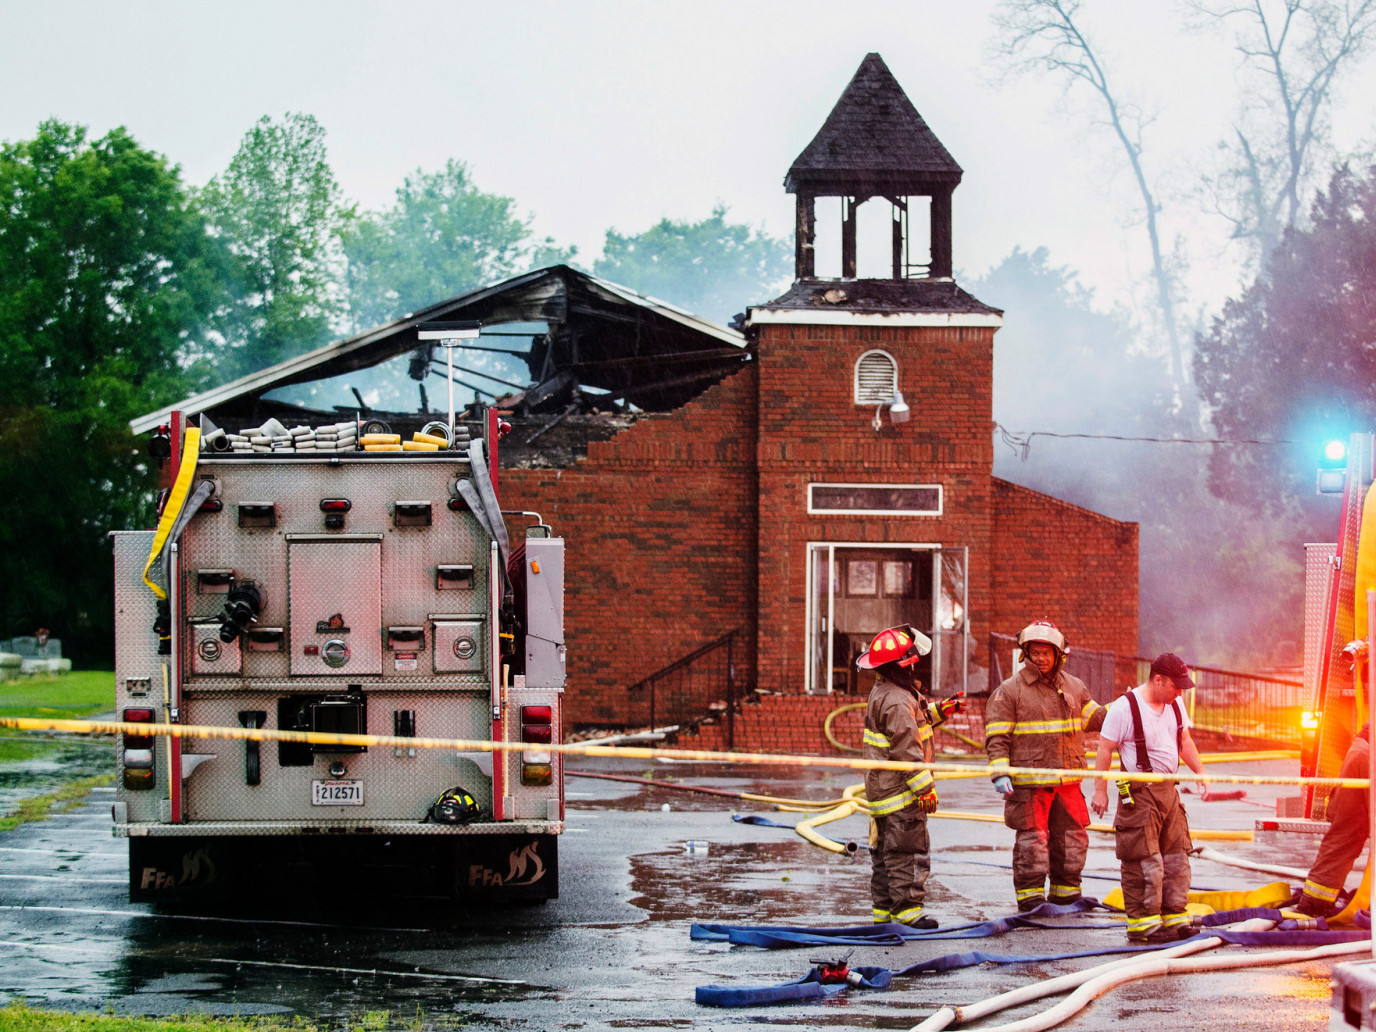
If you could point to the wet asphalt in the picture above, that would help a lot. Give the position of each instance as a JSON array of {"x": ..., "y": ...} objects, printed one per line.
[{"x": 613, "y": 951}]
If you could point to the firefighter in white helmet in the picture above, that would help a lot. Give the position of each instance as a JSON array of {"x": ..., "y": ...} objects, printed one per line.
[
  {"x": 1037, "y": 718},
  {"x": 898, "y": 726}
]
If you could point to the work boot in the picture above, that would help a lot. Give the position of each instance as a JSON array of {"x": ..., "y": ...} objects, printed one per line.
[
  {"x": 1312, "y": 906},
  {"x": 1066, "y": 900},
  {"x": 923, "y": 924},
  {"x": 1162, "y": 936},
  {"x": 1030, "y": 903}
]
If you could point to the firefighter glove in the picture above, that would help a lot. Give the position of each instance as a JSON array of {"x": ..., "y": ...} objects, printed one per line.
[
  {"x": 952, "y": 705},
  {"x": 1003, "y": 785},
  {"x": 927, "y": 801}
]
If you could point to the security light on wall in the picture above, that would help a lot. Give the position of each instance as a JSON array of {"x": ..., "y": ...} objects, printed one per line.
[{"x": 898, "y": 411}]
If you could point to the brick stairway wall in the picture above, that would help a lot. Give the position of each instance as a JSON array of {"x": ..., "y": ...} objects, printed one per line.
[{"x": 792, "y": 724}]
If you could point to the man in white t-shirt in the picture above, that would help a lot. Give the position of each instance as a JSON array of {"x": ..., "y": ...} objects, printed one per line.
[{"x": 1151, "y": 731}]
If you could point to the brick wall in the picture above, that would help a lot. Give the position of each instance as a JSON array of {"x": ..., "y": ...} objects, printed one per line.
[
  {"x": 1066, "y": 564},
  {"x": 795, "y": 724},
  {"x": 659, "y": 529},
  {"x": 812, "y": 431}
]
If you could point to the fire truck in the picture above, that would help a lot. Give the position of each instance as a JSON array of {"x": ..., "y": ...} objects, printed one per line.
[{"x": 336, "y": 588}]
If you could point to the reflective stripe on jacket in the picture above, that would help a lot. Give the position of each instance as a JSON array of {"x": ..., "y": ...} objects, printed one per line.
[
  {"x": 898, "y": 726},
  {"x": 1032, "y": 722}
]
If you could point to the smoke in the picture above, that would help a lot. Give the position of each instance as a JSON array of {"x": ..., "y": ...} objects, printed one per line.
[{"x": 1220, "y": 582}]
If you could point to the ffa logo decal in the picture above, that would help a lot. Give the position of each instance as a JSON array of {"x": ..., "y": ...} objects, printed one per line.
[{"x": 330, "y": 626}]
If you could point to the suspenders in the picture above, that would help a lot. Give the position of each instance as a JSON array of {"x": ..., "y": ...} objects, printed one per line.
[{"x": 1140, "y": 735}]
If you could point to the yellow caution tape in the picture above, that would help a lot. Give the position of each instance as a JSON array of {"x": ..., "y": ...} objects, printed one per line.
[
  {"x": 176, "y": 498},
  {"x": 629, "y": 752}
]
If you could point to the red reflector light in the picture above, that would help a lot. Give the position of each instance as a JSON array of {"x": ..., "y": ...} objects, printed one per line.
[
  {"x": 335, "y": 505},
  {"x": 537, "y": 714},
  {"x": 138, "y": 741},
  {"x": 536, "y": 733},
  {"x": 138, "y": 716}
]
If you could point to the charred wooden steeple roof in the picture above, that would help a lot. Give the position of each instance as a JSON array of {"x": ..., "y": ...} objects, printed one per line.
[{"x": 873, "y": 143}]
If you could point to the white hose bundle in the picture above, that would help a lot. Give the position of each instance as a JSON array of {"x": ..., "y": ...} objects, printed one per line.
[{"x": 1094, "y": 982}]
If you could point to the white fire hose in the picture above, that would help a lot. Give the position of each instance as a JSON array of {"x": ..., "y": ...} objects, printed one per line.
[{"x": 1094, "y": 982}]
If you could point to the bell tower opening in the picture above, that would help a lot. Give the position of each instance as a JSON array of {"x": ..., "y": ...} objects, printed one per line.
[{"x": 880, "y": 166}]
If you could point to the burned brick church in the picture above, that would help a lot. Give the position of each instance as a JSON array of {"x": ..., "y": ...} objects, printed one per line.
[{"x": 772, "y": 494}]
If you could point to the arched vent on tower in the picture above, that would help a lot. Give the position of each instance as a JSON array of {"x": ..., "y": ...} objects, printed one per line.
[{"x": 876, "y": 378}]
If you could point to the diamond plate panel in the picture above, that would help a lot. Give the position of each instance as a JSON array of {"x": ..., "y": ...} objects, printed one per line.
[
  {"x": 394, "y": 788},
  {"x": 1318, "y": 572},
  {"x": 138, "y": 667},
  {"x": 409, "y": 555}
]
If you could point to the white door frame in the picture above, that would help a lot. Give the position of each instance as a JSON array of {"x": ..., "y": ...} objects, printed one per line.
[{"x": 810, "y": 614}]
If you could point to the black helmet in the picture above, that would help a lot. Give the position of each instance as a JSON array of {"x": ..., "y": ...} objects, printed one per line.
[{"x": 455, "y": 806}]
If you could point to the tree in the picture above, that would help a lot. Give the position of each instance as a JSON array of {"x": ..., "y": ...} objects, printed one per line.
[
  {"x": 1198, "y": 553},
  {"x": 278, "y": 209},
  {"x": 1044, "y": 35},
  {"x": 1292, "y": 358},
  {"x": 712, "y": 268},
  {"x": 105, "y": 272},
  {"x": 442, "y": 237},
  {"x": 1293, "y": 52}
]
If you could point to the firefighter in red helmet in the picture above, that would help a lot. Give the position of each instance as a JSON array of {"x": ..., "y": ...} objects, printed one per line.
[
  {"x": 1037, "y": 718},
  {"x": 898, "y": 726}
]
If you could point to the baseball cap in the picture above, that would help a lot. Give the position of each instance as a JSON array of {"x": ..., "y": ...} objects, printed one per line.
[{"x": 1168, "y": 664}]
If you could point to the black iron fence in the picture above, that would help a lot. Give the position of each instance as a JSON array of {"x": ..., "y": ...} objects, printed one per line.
[
  {"x": 1237, "y": 705},
  {"x": 699, "y": 686}
]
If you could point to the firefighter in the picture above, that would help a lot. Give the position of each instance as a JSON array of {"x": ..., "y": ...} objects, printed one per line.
[
  {"x": 898, "y": 726},
  {"x": 1346, "y": 835},
  {"x": 1151, "y": 732},
  {"x": 1037, "y": 718}
]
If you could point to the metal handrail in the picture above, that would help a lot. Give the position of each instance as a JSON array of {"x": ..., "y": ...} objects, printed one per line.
[{"x": 732, "y": 699}]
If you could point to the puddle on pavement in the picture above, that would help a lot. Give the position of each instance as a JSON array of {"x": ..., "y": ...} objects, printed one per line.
[
  {"x": 753, "y": 882},
  {"x": 48, "y": 765}
]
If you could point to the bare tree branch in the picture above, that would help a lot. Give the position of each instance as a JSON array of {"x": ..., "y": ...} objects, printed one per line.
[
  {"x": 1044, "y": 36},
  {"x": 1296, "y": 50}
]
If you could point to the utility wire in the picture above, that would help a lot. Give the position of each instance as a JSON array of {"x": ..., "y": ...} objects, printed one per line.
[{"x": 1021, "y": 443}]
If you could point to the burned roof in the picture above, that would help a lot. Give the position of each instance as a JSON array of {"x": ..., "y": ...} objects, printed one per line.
[
  {"x": 633, "y": 351},
  {"x": 880, "y": 295},
  {"x": 874, "y": 143}
]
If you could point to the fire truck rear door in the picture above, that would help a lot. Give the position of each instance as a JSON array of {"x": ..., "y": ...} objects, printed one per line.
[{"x": 334, "y": 598}]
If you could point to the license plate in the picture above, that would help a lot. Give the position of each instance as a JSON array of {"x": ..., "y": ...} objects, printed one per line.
[{"x": 336, "y": 793}]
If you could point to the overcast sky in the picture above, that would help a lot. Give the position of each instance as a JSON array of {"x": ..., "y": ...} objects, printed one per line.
[{"x": 615, "y": 114}]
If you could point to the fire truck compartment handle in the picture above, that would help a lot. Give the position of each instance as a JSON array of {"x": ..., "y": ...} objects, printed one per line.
[{"x": 253, "y": 767}]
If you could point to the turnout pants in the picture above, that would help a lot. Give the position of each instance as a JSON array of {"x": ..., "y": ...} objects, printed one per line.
[
  {"x": 1152, "y": 840},
  {"x": 1346, "y": 835},
  {"x": 901, "y": 865},
  {"x": 1051, "y": 842}
]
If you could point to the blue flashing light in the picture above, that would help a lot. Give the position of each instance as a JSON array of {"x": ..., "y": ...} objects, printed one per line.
[{"x": 1335, "y": 451}]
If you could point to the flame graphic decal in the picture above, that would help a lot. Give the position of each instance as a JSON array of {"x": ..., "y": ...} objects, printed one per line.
[
  {"x": 520, "y": 860},
  {"x": 191, "y": 866}
]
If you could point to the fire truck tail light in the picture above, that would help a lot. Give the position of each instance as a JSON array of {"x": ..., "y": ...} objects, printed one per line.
[
  {"x": 138, "y": 716},
  {"x": 540, "y": 733},
  {"x": 335, "y": 505},
  {"x": 1309, "y": 721},
  {"x": 537, "y": 714},
  {"x": 138, "y": 752},
  {"x": 537, "y": 773}
]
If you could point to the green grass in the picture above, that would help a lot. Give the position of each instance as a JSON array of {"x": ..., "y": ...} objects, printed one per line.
[
  {"x": 19, "y": 1017},
  {"x": 74, "y": 695},
  {"x": 37, "y": 807}
]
